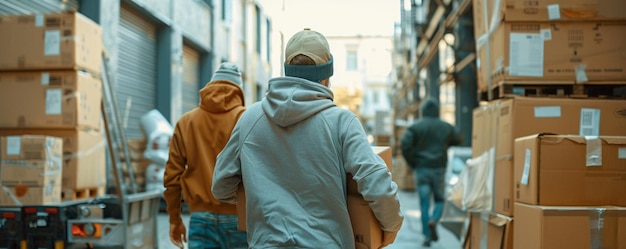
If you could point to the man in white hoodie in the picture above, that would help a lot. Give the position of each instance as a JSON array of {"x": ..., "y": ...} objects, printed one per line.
[{"x": 292, "y": 151}]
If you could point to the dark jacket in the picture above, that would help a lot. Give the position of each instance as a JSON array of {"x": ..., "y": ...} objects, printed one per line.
[{"x": 425, "y": 143}]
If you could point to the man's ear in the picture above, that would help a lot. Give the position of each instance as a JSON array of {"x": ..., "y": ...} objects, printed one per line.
[{"x": 325, "y": 82}]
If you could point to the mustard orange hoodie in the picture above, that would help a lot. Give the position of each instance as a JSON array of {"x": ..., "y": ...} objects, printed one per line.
[{"x": 199, "y": 136}]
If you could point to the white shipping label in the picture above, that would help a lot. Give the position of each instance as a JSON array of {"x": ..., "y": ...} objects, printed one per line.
[
  {"x": 589, "y": 122},
  {"x": 526, "y": 55},
  {"x": 52, "y": 42},
  {"x": 53, "y": 101},
  {"x": 621, "y": 153},
  {"x": 14, "y": 145},
  {"x": 39, "y": 20},
  {"x": 45, "y": 78},
  {"x": 554, "y": 12},
  {"x": 547, "y": 112},
  {"x": 526, "y": 172}
]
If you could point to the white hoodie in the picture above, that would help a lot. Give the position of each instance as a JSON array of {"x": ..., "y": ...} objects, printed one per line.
[{"x": 292, "y": 150}]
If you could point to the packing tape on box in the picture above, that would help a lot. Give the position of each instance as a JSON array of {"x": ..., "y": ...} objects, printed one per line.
[
  {"x": 483, "y": 40},
  {"x": 596, "y": 228},
  {"x": 71, "y": 95},
  {"x": 55, "y": 160},
  {"x": 490, "y": 26},
  {"x": 594, "y": 151},
  {"x": 581, "y": 75},
  {"x": 71, "y": 38},
  {"x": 23, "y": 163},
  {"x": 82, "y": 153},
  {"x": 12, "y": 196}
]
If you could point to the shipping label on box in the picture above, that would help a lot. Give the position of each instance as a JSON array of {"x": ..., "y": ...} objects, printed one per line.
[
  {"x": 30, "y": 160},
  {"x": 570, "y": 170},
  {"x": 50, "y": 99},
  {"x": 50, "y": 41}
]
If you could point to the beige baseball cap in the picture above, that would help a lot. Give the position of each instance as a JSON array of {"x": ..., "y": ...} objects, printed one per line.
[{"x": 310, "y": 43}]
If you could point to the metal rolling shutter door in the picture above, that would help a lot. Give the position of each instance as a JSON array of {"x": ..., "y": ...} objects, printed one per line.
[
  {"x": 191, "y": 84},
  {"x": 36, "y": 7},
  {"x": 136, "y": 70}
]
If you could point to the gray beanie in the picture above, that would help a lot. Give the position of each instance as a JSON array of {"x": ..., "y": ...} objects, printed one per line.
[{"x": 229, "y": 72}]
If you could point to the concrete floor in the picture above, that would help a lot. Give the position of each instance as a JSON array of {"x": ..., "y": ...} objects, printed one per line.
[{"x": 409, "y": 237}]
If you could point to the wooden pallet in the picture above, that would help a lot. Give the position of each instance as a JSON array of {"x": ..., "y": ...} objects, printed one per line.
[
  {"x": 555, "y": 89},
  {"x": 84, "y": 193}
]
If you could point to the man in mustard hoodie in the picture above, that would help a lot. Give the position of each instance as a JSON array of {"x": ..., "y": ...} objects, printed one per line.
[{"x": 199, "y": 136}]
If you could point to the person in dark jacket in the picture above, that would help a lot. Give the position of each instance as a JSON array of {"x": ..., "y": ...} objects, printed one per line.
[{"x": 424, "y": 147}]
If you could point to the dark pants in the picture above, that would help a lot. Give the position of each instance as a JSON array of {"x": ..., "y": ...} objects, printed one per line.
[{"x": 430, "y": 184}]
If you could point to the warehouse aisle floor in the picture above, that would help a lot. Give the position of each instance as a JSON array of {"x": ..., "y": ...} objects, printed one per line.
[{"x": 409, "y": 237}]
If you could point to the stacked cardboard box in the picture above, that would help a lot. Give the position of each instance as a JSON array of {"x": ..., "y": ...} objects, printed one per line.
[
  {"x": 568, "y": 184},
  {"x": 56, "y": 41},
  {"x": 576, "y": 227},
  {"x": 547, "y": 44},
  {"x": 498, "y": 123},
  {"x": 31, "y": 170},
  {"x": 50, "y": 86},
  {"x": 550, "y": 41}
]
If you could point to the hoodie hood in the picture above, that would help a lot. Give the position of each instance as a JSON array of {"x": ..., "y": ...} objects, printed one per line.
[
  {"x": 221, "y": 96},
  {"x": 290, "y": 100},
  {"x": 430, "y": 108}
]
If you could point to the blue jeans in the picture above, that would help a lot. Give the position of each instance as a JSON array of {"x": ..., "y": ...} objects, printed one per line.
[
  {"x": 430, "y": 184},
  {"x": 210, "y": 230}
]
